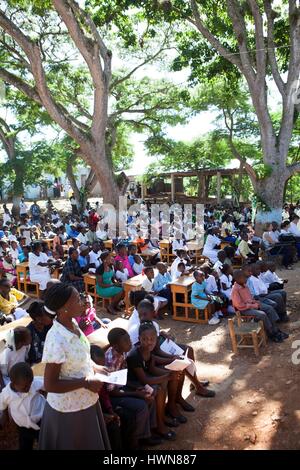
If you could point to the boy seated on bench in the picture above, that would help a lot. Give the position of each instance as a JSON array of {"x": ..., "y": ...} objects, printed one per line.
[{"x": 244, "y": 302}]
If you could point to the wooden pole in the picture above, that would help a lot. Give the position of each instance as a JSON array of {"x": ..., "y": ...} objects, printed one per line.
[
  {"x": 172, "y": 188},
  {"x": 218, "y": 187}
]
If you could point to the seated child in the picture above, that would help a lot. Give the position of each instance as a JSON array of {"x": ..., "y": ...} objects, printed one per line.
[
  {"x": 180, "y": 272},
  {"x": 88, "y": 322},
  {"x": 18, "y": 342},
  {"x": 161, "y": 282},
  {"x": 121, "y": 273},
  {"x": 181, "y": 257},
  {"x": 219, "y": 264},
  {"x": 138, "y": 265},
  {"x": 200, "y": 299},
  {"x": 39, "y": 327},
  {"x": 9, "y": 300},
  {"x": 270, "y": 278},
  {"x": 146, "y": 312},
  {"x": 137, "y": 405},
  {"x": 178, "y": 244},
  {"x": 244, "y": 249},
  {"x": 244, "y": 302},
  {"x": 24, "y": 402},
  {"x": 226, "y": 280},
  {"x": 122, "y": 256},
  {"x": 143, "y": 371},
  {"x": 147, "y": 285},
  {"x": 112, "y": 420}
]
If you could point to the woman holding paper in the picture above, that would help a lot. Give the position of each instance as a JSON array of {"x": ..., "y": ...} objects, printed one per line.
[{"x": 72, "y": 417}]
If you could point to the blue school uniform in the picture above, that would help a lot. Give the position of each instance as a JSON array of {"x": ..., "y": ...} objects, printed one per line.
[{"x": 199, "y": 289}]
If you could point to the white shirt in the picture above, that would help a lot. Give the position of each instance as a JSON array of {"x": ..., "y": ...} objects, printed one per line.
[
  {"x": 174, "y": 266},
  {"x": 82, "y": 239},
  {"x": 211, "y": 285},
  {"x": 138, "y": 268},
  {"x": 178, "y": 245},
  {"x": 294, "y": 229},
  {"x": 227, "y": 280},
  {"x": 122, "y": 276},
  {"x": 133, "y": 331},
  {"x": 259, "y": 286},
  {"x": 217, "y": 267},
  {"x": 73, "y": 353},
  {"x": 6, "y": 218},
  {"x": 26, "y": 409},
  {"x": 34, "y": 268},
  {"x": 268, "y": 278},
  {"x": 147, "y": 285},
  {"x": 23, "y": 208},
  {"x": 26, "y": 232},
  {"x": 9, "y": 358},
  {"x": 14, "y": 254},
  {"x": 94, "y": 258}
]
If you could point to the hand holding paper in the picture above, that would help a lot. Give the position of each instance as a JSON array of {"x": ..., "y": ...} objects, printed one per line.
[{"x": 118, "y": 377}]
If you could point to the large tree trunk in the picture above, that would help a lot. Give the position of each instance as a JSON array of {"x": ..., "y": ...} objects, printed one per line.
[
  {"x": 18, "y": 187},
  {"x": 270, "y": 192}
]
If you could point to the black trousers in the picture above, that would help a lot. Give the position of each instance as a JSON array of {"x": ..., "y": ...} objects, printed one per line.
[{"x": 27, "y": 436}]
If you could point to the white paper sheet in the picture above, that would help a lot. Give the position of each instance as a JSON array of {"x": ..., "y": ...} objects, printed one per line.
[
  {"x": 182, "y": 364},
  {"x": 118, "y": 377},
  {"x": 169, "y": 347}
]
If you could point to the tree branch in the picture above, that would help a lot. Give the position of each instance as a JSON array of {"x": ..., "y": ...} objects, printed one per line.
[
  {"x": 90, "y": 50},
  {"x": 259, "y": 41},
  {"x": 20, "y": 84},
  {"x": 117, "y": 82},
  {"x": 223, "y": 51},
  {"x": 239, "y": 27},
  {"x": 271, "y": 47}
]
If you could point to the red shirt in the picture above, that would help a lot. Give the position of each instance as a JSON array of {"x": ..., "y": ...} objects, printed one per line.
[
  {"x": 93, "y": 220},
  {"x": 242, "y": 298}
]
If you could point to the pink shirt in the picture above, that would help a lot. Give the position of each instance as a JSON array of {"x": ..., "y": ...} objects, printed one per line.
[
  {"x": 126, "y": 264},
  {"x": 90, "y": 317}
]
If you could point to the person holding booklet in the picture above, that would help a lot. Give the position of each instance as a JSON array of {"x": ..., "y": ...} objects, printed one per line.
[
  {"x": 137, "y": 401},
  {"x": 145, "y": 312},
  {"x": 72, "y": 416}
]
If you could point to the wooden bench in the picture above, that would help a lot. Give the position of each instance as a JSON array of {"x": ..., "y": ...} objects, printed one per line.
[
  {"x": 245, "y": 333},
  {"x": 23, "y": 280},
  {"x": 183, "y": 310},
  {"x": 166, "y": 254},
  {"x": 90, "y": 288}
]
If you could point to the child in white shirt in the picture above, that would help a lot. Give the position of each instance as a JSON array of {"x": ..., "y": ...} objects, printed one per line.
[
  {"x": 226, "y": 281},
  {"x": 121, "y": 273},
  {"x": 147, "y": 285},
  {"x": 18, "y": 343},
  {"x": 138, "y": 264},
  {"x": 24, "y": 402}
]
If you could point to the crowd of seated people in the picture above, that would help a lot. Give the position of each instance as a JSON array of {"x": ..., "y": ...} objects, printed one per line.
[{"x": 149, "y": 408}]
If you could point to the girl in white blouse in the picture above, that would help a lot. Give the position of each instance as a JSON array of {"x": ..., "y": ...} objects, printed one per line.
[{"x": 72, "y": 418}]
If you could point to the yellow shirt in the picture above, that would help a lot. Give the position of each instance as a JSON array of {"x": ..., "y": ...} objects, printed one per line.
[
  {"x": 7, "y": 305},
  {"x": 244, "y": 249}
]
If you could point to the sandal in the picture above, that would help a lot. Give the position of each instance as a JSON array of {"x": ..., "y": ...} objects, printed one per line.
[
  {"x": 167, "y": 436},
  {"x": 207, "y": 393},
  {"x": 186, "y": 406},
  {"x": 204, "y": 383},
  {"x": 172, "y": 424},
  {"x": 181, "y": 419}
]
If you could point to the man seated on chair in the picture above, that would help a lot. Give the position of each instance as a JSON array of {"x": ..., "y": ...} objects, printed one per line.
[{"x": 243, "y": 301}]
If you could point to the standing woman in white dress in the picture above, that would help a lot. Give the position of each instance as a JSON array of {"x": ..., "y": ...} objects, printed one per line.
[
  {"x": 72, "y": 418},
  {"x": 39, "y": 267},
  {"x": 212, "y": 243}
]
